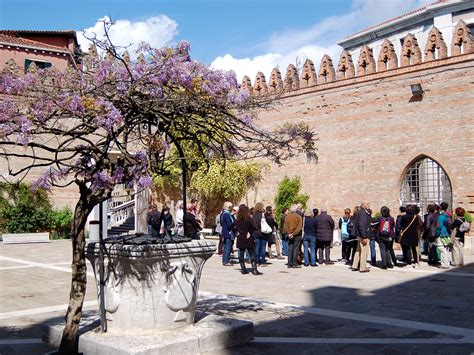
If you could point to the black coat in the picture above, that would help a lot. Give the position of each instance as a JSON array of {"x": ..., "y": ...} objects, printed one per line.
[
  {"x": 192, "y": 226},
  {"x": 362, "y": 227},
  {"x": 324, "y": 227},
  {"x": 242, "y": 229},
  {"x": 257, "y": 221},
  {"x": 411, "y": 234},
  {"x": 153, "y": 219},
  {"x": 168, "y": 221}
]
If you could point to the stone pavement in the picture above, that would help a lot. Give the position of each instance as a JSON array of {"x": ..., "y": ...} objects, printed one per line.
[{"x": 327, "y": 309}]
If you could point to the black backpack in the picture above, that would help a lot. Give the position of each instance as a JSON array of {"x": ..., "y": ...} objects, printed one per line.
[{"x": 350, "y": 226}]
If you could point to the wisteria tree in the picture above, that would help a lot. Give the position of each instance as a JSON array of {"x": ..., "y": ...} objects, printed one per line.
[{"x": 115, "y": 121}]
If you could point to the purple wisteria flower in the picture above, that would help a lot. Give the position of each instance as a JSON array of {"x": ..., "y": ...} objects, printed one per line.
[
  {"x": 103, "y": 70},
  {"x": 238, "y": 97},
  {"x": 76, "y": 105},
  {"x": 246, "y": 119},
  {"x": 183, "y": 48},
  {"x": 118, "y": 175},
  {"x": 144, "y": 181},
  {"x": 102, "y": 181},
  {"x": 43, "y": 182},
  {"x": 24, "y": 126}
]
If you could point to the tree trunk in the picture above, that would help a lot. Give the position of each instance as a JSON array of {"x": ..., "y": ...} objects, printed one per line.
[
  {"x": 212, "y": 207},
  {"x": 79, "y": 277}
]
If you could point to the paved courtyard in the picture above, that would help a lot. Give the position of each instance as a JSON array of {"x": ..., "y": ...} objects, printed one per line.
[{"x": 327, "y": 309}]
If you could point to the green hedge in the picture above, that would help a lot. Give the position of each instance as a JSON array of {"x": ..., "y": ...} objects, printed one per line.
[
  {"x": 25, "y": 211},
  {"x": 289, "y": 193}
]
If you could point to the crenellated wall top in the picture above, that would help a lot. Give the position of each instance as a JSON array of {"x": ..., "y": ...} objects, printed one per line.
[{"x": 411, "y": 53}]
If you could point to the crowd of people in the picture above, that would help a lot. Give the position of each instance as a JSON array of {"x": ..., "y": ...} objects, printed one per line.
[
  {"x": 185, "y": 224},
  {"x": 306, "y": 237}
]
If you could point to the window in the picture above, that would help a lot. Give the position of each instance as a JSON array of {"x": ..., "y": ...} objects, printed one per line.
[
  {"x": 39, "y": 64},
  {"x": 425, "y": 183},
  {"x": 471, "y": 28}
]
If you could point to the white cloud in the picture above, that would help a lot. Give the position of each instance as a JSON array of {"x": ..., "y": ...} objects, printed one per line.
[
  {"x": 158, "y": 31},
  {"x": 284, "y": 48},
  {"x": 266, "y": 62}
]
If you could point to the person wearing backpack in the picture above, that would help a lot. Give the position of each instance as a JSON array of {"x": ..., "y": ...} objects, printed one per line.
[
  {"x": 442, "y": 233},
  {"x": 385, "y": 236},
  {"x": 459, "y": 227},
  {"x": 343, "y": 223}
]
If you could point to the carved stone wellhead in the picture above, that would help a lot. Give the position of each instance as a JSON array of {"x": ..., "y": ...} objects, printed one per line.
[{"x": 150, "y": 286}]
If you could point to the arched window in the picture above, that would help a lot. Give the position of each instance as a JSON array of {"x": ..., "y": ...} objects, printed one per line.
[{"x": 425, "y": 183}]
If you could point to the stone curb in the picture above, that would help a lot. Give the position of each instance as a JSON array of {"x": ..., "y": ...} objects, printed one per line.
[{"x": 209, "y": 333}]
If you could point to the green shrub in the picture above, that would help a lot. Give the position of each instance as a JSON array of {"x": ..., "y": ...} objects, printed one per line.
[
  {"x": 25, "y": 211},
  {"x": 289, "y": 193},
  {"x": 22, "y": 210},
  {"x": 61, "y": 221},
  {"x": 467, "y": 216}
]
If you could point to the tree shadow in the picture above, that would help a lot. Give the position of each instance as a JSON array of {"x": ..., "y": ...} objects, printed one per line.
[{"x": 347, "y": 320}]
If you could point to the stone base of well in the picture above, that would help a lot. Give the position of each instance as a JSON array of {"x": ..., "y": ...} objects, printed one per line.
[
  {"x": 150, "y": 286},
  {"x": 210, "y": 333}
]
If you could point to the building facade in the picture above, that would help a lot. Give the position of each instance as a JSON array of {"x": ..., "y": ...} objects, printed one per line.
[
  {"x": 394, "y": 116},
  {"x": 21, "y": 51}
]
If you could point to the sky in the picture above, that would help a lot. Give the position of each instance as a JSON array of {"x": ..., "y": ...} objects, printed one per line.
[{"x": 246, "y": 36}]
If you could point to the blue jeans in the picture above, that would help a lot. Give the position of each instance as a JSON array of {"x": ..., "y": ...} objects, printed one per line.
[
  {"x": 284, "y": 244},
  {"x": 227, "y": 249},
  {"x": 372, "y": 250},
  {"x": 260, "y": 250},
  {"x": 309, "y": 242}
]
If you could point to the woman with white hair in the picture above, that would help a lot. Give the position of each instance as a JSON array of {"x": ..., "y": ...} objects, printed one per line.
[
  {"x": 226, "y": 222},
  {"x": 179, "y": 228}
]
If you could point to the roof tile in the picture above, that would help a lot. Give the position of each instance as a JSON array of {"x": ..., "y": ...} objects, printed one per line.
[{"x": 10, "y": 39}]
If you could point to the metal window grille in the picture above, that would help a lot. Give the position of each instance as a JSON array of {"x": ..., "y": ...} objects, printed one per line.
[{"x": 425, "y": 183}]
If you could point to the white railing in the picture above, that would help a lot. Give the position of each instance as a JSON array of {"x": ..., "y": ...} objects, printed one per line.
[{"x": 120, "y": 213}]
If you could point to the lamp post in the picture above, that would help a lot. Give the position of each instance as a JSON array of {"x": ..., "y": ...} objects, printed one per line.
[{"x": 103, "y": 319}]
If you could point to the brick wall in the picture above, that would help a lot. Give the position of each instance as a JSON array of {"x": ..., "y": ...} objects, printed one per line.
[{"x": 370, "y": 129}]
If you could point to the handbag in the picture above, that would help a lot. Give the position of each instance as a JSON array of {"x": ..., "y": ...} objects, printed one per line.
[
  {"x": 336, "y": 238},
  {"x": 264, "y": 226}
]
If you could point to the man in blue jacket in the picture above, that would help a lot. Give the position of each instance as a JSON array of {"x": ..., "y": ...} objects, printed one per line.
[{"x": 226, "y": 221}]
